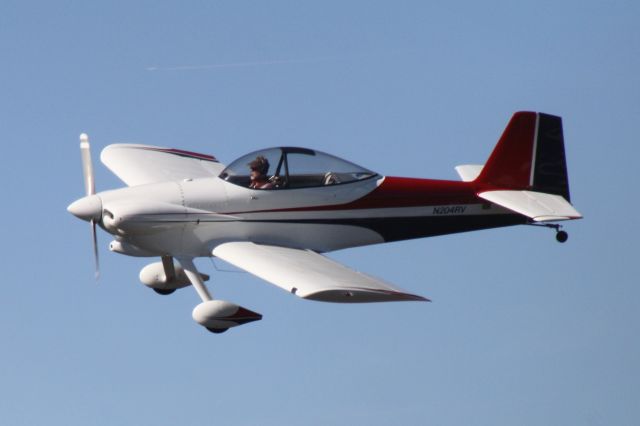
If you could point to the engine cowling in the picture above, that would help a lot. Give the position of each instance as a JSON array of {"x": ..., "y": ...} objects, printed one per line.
[
  {"x": 154, "y": 276},
  {"x": 218, "y": 315}
]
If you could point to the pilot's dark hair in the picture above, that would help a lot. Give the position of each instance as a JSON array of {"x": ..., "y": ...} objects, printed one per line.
[{"x": 260, "y": 164}]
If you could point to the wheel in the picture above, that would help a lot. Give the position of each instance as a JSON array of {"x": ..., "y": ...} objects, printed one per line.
[
  {"x": 562, "y": 236},
  {"x": 164, "y": 292},
  {"x": 217, "y": 330}
]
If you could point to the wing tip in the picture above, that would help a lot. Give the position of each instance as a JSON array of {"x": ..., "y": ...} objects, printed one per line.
[{"x": 174, "y": 151}]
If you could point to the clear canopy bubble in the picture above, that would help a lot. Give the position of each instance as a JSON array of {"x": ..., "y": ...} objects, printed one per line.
[{"x": 289, "y": 167}]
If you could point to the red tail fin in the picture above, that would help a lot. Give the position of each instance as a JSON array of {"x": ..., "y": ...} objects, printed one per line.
[
  {"x": 529, "y": 155},
  {"x": 509, "y": 165}
]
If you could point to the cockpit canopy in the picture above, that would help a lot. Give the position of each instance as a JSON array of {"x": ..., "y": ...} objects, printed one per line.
[{"x": 289, "y": 167}]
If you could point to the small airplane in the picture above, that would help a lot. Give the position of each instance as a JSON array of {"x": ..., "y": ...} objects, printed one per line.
[{"x": 274, "y": 212}]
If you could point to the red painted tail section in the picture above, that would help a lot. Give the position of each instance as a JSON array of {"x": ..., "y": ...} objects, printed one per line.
[
  {"x": 530, "y": 155},
  {"x": 509, "y": 165}
]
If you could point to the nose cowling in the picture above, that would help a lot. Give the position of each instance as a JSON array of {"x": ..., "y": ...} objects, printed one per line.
[{"x": 86, "y": 208}]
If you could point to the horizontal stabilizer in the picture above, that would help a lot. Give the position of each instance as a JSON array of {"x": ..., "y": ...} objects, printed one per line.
[
  {"x": 309, "y": 275},
  {"x": 469, "y": 172},
  {"x": 539, "y": 206}
]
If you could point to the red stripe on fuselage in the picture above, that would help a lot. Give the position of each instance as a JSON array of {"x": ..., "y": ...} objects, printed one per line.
[
  {"x": 396, "y": 192},
  {"x": 411, "y": 192}
]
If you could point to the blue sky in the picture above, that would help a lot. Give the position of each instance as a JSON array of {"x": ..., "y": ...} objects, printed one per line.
[{"x": 522, "y": 330}]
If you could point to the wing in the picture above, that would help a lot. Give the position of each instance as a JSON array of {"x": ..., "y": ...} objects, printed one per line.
[
  {"x": 538, "y": 206},
  {"x": 309, "y": 275},
  {"x": 141, "y": 164}
]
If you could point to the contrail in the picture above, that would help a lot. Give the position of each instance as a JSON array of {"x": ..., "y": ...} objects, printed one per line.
[{"x": 238, "y": 64}]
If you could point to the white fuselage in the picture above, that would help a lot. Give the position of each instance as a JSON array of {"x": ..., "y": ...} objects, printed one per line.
[{"x": 191, "y": 217}]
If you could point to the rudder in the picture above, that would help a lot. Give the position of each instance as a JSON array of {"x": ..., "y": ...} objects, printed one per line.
[{"x": 550, "y": 163}]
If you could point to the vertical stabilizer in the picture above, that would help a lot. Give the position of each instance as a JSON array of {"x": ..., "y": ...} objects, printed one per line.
[{"x": 529, "y": 156}]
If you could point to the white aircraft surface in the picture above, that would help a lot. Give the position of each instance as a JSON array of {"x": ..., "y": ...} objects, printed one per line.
[{"x": 273, "y": 212}]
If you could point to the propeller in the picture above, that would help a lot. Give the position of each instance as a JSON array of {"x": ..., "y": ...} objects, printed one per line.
[
  {"x": 87, "y": 167},
  {"x": 90, "y": 189}
]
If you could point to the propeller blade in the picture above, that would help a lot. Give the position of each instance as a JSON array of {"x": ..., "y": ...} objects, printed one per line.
[
  {"x": 90, "y": 189},
  {"x": 87, "y": 167},
  {"x": 95, "y": 248}
]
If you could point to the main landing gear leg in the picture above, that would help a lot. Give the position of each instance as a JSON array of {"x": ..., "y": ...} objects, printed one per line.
[
  {"x": 196, "y": 281},
  {"x": 217, "y": 316},
  {"x": 169, "y": 275},
  {"x": 561, "y": 236}
]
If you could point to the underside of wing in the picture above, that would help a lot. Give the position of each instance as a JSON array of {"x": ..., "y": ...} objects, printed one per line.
[
  {"x": 309, "y": 275},
  {"x": 142, "y": 164}
]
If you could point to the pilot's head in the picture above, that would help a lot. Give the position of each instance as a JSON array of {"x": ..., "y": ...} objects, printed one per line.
[{"x": 259, "y": 167}]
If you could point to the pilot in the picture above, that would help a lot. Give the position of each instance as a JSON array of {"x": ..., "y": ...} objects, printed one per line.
[{"x": 259, "y": 168}]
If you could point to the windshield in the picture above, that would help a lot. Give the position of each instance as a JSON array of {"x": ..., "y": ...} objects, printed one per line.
[{"x": 287, "y": 167}]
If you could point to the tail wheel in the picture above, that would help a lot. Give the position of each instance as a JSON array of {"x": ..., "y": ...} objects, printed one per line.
[{"x": 562, "y": 236}]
